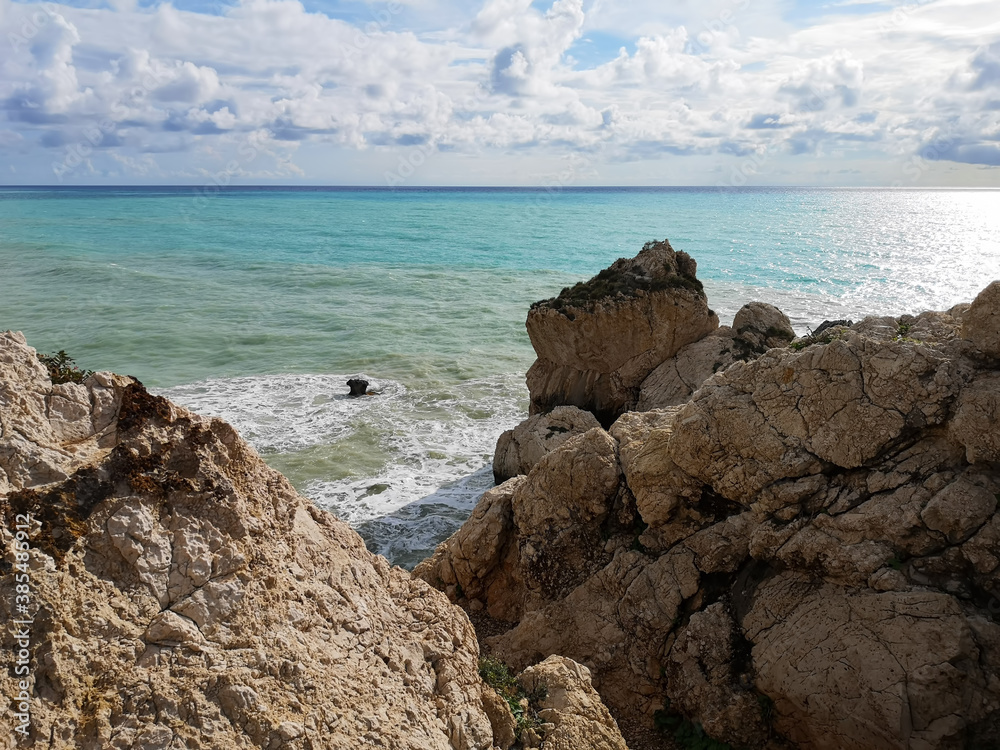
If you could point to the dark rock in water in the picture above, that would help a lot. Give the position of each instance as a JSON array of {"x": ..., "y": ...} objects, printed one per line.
[
  {"x": 358, "y": 387},
  {"x": 830, "y": 324}
]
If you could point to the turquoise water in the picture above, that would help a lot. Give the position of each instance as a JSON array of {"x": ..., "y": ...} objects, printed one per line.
[{"x": 258, "y": 304}]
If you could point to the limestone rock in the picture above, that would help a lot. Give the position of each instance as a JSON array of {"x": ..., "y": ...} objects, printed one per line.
[
  {"x": 183, "y": 594},
  {"x": 518, "y": 450},
  {"x": 673, "y": 381},
  {"x": 982, "y": 321},
  {"x": 579, "y": 718},
  {"x": 790, "y": 413},
  {"x": 535, "y": 537},
  {"x": 501, "y": 718},
  {"x": 596, "y": 342},
  {"x": 960, "y": 509},
  {"x": 358, "y": 386},
  {"x": 480, "y": 562},
  {"x": 761, "y": 326},
  {"x": 860, "y": 669},
  {"x": 976, "y": 425},
  {"x": 703, "y": 679},
  {"x": 47, "y": 431},
  {"x": 807, "y": 551},
  {"x": 756, "y": 328}
]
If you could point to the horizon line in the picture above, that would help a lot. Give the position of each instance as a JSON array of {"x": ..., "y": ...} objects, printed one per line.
[{"x": 533, "y": 188}]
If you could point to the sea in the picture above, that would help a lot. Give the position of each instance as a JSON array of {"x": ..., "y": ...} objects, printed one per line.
[{"x": 258, "y": 304}]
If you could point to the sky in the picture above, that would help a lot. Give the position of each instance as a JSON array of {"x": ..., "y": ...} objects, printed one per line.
[{"x": 501, "y": 92}]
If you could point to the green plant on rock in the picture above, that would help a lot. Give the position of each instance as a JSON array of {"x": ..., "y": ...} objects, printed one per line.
[
  {"x": 62, "y": 368},
  {"x": 685, "y": 732},
  {"x": 766, "y": 707},
  {"x": 823, "y": 338},
  {"x": 498, "y": 676}
]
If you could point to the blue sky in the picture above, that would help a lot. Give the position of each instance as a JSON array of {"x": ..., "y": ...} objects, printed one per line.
[{"x": 501, "y": 92}]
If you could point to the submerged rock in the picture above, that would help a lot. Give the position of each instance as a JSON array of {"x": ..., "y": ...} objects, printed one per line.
[
  {"x": 358, "y": 387},
  {"x": 804, "y": 552},
  {"x": 597, "y": 341}
]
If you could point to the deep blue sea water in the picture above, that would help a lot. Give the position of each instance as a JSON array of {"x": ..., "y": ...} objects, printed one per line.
[{"x": 258, "y": 304}]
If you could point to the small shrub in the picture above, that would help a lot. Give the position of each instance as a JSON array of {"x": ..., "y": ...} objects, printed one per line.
[
  {"x": 62, "y": 368},
  {"x": 498, "y": 676},
  {"x": 686, "y": 733},
  {"x": 766, "y": 707}
]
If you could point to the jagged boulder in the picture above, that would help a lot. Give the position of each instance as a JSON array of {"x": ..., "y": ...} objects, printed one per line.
[
  {"x": 183, "y": 594},
  {"x": 852, "y": 668},
  {"x": 760, "y": 326},
  {"x": 518, "y": 450},
  {"x": 812, "y": 552},
  {"x": 568, "y": 701},
  {"x": 982, "y": 321},
  {"x": 597, "y": 341},
  {"x": 535, "y": 537},
  {"x": 756, "y": 328},
  {"x": 707, "y": 676}
]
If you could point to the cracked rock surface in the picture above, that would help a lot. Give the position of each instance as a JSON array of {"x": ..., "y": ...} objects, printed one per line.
[
  {"x": 183, "y": 595},
  {"x": 806, "y": 553},
  {"x": 518, "y": 450},
  {"x": 756, "y": 328}
]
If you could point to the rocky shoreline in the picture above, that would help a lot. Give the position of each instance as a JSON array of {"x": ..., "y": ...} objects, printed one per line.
[{"x": 724, "y": 533}]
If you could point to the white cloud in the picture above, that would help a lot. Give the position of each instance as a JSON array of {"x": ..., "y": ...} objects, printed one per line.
[
  {"x": 718, "y": 79},
  {"x": 831, "y": 81}
]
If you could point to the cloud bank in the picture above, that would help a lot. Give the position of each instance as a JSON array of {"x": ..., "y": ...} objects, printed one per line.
[{"x": 721, "y": 92}]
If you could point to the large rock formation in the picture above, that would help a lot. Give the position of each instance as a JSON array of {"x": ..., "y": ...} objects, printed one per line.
[
  {"x": 518, "y": 450},
  {"x": 756, "y": 328},
  {"x": 183, "y": 595},
  {"x": 597, "y": 341},
  {"x": 807, "y": 551}
]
